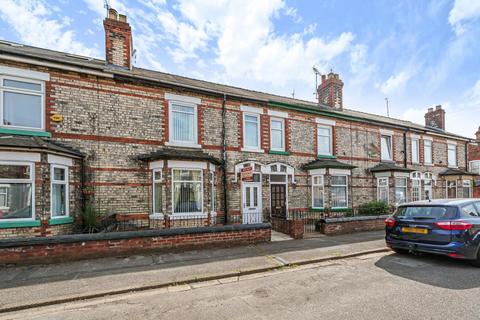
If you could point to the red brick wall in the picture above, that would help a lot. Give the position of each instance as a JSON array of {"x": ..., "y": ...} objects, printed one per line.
[
  {"x": 55, "y": 251},
  {"x": 294, "y": 228},
  {"x": 344, "y": 227}
]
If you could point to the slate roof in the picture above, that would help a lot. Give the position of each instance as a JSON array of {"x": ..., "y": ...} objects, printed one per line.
[
  {"x": 99, "y": 65},
  {"x": 178, "y": 154},
  {"x": 456, "y": 172},
  {"x": 36, "y": 143},
  {"x": 327, "y": 163},
  {"x": 388, "y": 166}
]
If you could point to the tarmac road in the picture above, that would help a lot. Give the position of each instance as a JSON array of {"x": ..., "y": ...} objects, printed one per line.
[{"x": 375, "y": 286}]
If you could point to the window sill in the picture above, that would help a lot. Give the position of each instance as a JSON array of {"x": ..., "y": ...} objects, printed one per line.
[
  {"x": 183, "y": 145},
  {"x": 428, "y": 164},
  {"x": 285, "y": 153},
  {"x": 22, "y": 132},
  {"x": 60, "y": 220},
  {"x": 19, "y": 224},
  {"x": 253, "y": 150},
  {"x": 321, "y": 156}
]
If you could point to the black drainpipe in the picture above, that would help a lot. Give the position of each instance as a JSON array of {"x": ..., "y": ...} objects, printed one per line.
[
  {"x": 224, "y": 159},
  {"x": 466, "y": 156},
  {"x": 405, "y": 149}
]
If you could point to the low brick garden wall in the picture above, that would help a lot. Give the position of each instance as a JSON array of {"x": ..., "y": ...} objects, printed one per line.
[
  {"x": 83, "y": 246},
  {"x": 336, "y": 226},
  {"x": 294, "y": 228}
]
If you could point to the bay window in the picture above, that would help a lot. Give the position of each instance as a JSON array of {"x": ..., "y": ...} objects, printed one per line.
[
  {"x": 213, "y": 192},
  {"x": 187, "y": 190},
  {"x": 467, "y": 188},
  {"x": 251, "y": 131},
  {"x": 183, "y": 124},
  {"x": 427, "y": 152},
  {"x": 157, "y": 191},
  {"x": 277, "y": 134},
  {"x": 324, "y": 140},
  {"x": 386, "y": 147},
  {"x": 17, "y": 191},
  {"x": 416, "y": 186},
  {"x": 382, "y": 189},
  {"x": 59, "y": 191},
  {"x": 415, "y": 151},
  {"x": 451, "y": 189},
  {"x": 452, "y": 155},
  {"x": 21, "y": 103},
  {"x": 400, "y": 190},
  {"x": 339, "y": 191},
  {"x": 317, "y": 192}
]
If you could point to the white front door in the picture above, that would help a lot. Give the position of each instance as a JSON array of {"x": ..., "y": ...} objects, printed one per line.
[{"x": 251, "y": 202}]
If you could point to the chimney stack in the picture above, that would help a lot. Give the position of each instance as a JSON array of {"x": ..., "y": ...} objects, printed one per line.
[
  {"x": 477, "y": 134},
  {"x": 435, "y": 118},
  {"x": 118, "y": 40},
  {"x": 330, "y": 91}
]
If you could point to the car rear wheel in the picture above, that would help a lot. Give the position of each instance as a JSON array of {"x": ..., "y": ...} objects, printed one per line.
[{"x": 476, "y": 262}]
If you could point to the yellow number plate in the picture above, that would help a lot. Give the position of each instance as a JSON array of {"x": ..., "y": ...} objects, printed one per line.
[{"x": 415, "y": 230}]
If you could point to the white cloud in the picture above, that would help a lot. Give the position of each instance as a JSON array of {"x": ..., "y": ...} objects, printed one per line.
[
  {"x": 395, "y": 83},
  {"x": 463, "y": 11},
  {"x": 35, "y": 26}
]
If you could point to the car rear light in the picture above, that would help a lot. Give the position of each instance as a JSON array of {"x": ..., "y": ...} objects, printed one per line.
[
  {"x": 453, "y": 225},
  {"x": 390, "y": 222},
  {"x": 456, "y": 255}
]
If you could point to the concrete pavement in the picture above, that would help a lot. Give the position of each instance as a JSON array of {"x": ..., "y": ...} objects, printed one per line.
[
  {"x": 22, "y": 287},
  {"x": 374, "y": 286}
]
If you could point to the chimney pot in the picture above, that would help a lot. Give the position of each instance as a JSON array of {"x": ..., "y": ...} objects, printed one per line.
[
  {"x": 430, "y": 110},
  {"x": 122, "y": 18},
  {"x": 112, "y": 14},
  {"x": 439, "y": 107}
]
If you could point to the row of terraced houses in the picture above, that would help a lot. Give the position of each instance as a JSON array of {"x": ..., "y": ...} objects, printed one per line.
[{"x": 133, "y": 141}]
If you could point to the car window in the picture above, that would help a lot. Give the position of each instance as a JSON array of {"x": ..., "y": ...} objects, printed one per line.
[
  {"x": 425, "y": 212},
  {"x": 477, "y": 206},
  {"x": 470, "y": 210}
]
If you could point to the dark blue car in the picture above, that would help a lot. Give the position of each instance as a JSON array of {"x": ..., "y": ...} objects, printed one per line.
[{"x": 448, "y": 227}]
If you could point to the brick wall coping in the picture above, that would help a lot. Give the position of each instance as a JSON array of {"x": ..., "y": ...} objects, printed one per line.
[
  {"x": 72, "y": 238},
  {"x": 357, "y": 218}
]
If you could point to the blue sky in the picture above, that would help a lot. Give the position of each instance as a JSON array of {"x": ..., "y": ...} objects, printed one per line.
[{"x": 416, "y": 53}]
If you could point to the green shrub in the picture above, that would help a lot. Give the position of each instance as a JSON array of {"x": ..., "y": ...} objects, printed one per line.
[
  {"x": 90, "y": 218},
  {"x": 373, "y": 208}
]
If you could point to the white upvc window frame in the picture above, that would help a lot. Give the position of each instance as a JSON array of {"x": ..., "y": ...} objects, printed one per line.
[
  {"x": 474, "y": 166},
  {"x": 415, "y": 149},
  {"x": 154, "y": 193},
  {"x": 405, "y": 188},
  {"x": 258, "y": 148},
  {"x": 60, "y": 182},
  {"x": 452, "y": 146},
  {"x": 467, "y": 184},
  {"x": 181, "y": 143},
  {"x": 387, "y": 186},
  {"x": 186, "y": 214},
  {"x": 282, "y": 130},
  {"x": 31, "y": 181},
  {"x": 338, "y": 185},
  {"x": 454, "y": 187},
  {"x": 390, "y": 136},
  {"x": 213, "y": 191},
  {"x": 6, "y": 187},
  {"x": 318, "y": 185},
  {"x": 430, "y": 143},
  {"x": 330, "y": 140},
  {"x": 40, "y": 93}
]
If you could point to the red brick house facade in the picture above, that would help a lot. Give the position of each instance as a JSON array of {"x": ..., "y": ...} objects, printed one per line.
[{"x": 78, "y": 130}]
